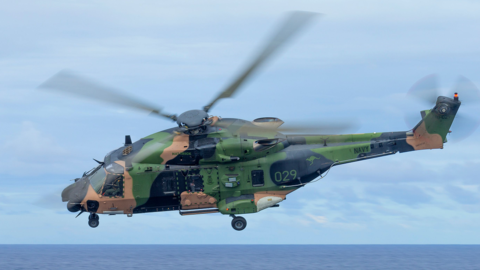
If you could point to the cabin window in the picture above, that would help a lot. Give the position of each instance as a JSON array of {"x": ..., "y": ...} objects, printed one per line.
[
  {"x": 380, "y": 144},
  {"x": 372, "y": 146},
  {"x": 257, "y": 178},
  {"x": 169, "y": 182},
  {"x": 195, "y": 183}
]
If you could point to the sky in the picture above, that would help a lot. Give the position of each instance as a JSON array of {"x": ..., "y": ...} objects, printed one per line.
[{"x": 357, "y": 61}]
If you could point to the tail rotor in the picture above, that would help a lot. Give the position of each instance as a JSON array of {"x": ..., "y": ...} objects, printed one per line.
[{"x": 467, "y": 120}]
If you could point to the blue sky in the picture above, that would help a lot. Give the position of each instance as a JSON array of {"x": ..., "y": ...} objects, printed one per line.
[{"x": 359, "y": 60}]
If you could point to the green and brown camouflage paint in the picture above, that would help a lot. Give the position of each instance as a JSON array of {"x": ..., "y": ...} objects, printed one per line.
[{"x": 235, "y": 167}]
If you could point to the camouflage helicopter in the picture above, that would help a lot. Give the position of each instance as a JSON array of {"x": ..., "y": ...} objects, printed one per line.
[{"x": 207, "y": 164}]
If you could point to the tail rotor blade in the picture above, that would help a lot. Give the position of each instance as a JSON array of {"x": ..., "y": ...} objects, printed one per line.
[
  {"x": 463, "y": 126},
  {"x": 468, "y": 92},
  {"x": 412, "y": 118},
  {"x": 467, "y": 119},
  {"x": 425, "y": 90}
]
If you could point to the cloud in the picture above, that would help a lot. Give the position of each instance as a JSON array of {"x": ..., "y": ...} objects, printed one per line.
[
  {"x": 51, "y": 201},
  {"x": 31, "y": 145},
  {"x": 461, "y": 195},
  {"x": 318, "y": 219},
  {"x": 32, "y": 152},
  {"x": 338, "y": 225},
  {"x": 346, "y": 194},
  {"x": 403, "y": 194}
]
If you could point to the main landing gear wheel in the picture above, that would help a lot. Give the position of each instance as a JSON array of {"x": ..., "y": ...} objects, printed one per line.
[
  {"x": 239, "y": 223},
  {"x": 93, "y": 220}
]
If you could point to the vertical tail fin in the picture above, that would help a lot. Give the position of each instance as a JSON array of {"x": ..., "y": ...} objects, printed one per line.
[{"x": 431, "y": 132}]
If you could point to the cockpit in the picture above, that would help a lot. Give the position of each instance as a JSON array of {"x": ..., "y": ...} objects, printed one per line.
[{"x": 107, "y": 181}]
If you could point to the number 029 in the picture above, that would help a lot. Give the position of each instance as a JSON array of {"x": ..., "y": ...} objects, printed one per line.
[{"x": 285, "y": 176}]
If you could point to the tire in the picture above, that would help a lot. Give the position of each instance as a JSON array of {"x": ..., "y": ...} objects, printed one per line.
[
  {"x": 93, "y": 222},
  {"x": 239, "y": 223}
]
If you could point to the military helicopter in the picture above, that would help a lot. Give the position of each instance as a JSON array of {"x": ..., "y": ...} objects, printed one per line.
[{"x": 207, "y": 164}]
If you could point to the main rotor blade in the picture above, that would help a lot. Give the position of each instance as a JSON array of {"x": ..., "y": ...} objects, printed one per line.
[
  {"x": 330, "y": 127},
  {"x": 324, "y": 128},
  {"x": 294, "y": 22},
  {"x": 69, "y": 83}
]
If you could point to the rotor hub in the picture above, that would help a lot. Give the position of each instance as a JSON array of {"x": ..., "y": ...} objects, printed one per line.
[
  {"x": 192, "y": 119},
  {"x": 443, "y": 109}
]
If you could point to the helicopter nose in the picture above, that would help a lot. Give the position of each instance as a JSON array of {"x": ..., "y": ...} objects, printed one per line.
[{"x": 74, "y": 194}]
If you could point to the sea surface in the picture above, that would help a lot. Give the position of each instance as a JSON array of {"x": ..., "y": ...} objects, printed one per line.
[{"x": 359, "y": 257}]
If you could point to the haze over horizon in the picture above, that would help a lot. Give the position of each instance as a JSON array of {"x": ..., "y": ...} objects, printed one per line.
[{"x": 357, "y": 61}]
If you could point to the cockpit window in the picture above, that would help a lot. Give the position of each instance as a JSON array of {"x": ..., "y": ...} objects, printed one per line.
[
  {"x": 108, "y": 157},
  {"x": 114, "y": 168},
  {"x": 113, "y": 186},
  {"x": 97, "y": 178},
  {"x": 106, "y": 184}
]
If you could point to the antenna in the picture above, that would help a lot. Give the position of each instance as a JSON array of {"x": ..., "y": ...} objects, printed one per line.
[{"x": 128, "y": 140}]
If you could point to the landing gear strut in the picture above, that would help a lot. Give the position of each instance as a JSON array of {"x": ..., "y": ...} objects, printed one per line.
[
  {"x": 93, "y": 220},
  {"x": 238, "y": 223}
]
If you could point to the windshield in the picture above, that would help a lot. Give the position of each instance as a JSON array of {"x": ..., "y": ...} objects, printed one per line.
[
  {"x": 97, "y": 178},
  {"x": 108, "y": 157}
]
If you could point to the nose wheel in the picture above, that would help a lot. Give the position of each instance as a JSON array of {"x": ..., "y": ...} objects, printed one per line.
[
  {"x": 238, "y": 223},
  {"x": 93, "y": 220}
]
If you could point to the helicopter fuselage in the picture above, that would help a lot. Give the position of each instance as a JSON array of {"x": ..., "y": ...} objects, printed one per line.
[{"x": 234, "y": 167}]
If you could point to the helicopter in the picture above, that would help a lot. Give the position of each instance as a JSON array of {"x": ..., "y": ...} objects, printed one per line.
[{"x": 208, "y": 164}]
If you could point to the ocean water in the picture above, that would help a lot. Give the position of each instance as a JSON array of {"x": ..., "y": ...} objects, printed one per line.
[{"x": 359, "y": 257}]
